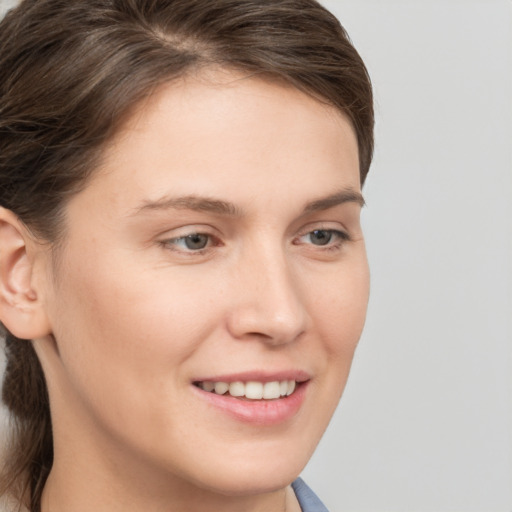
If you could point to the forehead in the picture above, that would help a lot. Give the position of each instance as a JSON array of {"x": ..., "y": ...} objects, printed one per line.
[{"x": 218, "y": 133}]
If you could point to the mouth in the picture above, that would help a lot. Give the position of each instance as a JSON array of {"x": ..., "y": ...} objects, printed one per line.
[
  {"x": 255, "y": 398},
  {"x": 250, "y": 390}
]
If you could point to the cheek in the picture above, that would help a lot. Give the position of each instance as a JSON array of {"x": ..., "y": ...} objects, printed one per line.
[
  {"x": 124, "y": 339},
  {"x": 340, "y": 310},
  {"x": 131, "y": 319},
  {"x": 127, "y": 332}
]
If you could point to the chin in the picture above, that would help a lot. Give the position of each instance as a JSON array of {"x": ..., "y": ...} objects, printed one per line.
[
  {"x": 251, "y": 484},
  {"x": 263, "y": 473}
]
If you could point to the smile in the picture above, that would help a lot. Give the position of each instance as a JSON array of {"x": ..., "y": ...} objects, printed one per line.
[{"x": 252, "y": 390}]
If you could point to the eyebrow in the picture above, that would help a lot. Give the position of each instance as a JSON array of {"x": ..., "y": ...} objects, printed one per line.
[
  {"x": 348, "y": 195},
  {"x": 191, "y": 202},
  {"x": 211, "y": 205}
]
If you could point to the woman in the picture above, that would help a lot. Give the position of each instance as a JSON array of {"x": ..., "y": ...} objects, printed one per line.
[{"x": 183, "y": 273}]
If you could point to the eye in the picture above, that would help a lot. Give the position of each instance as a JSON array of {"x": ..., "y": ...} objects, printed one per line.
[
  {"x": 190, "y": 243},
  {"x": 196, "y": 241},
  {"x": 320, "y": 237},
  {"x": 324, "y": 237}
]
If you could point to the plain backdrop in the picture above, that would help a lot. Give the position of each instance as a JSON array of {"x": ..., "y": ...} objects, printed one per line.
[{"x": 425, "y": 423}]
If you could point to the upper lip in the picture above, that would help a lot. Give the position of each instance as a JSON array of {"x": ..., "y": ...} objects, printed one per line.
[{"x": 258, "y": 376}]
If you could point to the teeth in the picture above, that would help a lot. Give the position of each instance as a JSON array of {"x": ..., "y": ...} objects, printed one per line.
[
  {"x": 271, "y": 390},
  {"x": 208, "y": 385},
  {"x": 221, "y": 387},
  {"x": 237, "y": 389},
  {"x": 253, "y": 390}
]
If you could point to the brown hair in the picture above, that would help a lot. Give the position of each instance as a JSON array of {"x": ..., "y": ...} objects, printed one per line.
[{"x": 71, "y": 71}]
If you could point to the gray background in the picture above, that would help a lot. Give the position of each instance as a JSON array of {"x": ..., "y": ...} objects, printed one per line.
[{"x": 426, "y": 423}]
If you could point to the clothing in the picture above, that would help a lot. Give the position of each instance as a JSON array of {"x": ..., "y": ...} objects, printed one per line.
[{"x": 308, "y": 500}]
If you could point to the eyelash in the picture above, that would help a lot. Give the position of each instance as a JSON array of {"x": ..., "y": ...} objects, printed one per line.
[
  {"x": 336, "y": 240},
  {"x": 340, "y": 237},
  {"x": 172, "y": 243}
]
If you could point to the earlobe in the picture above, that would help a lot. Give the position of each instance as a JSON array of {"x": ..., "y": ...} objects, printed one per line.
[{"x": 21, "y": 308}]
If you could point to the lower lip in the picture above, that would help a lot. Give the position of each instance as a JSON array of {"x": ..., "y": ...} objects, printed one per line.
[{"x": 258, "y": 412}]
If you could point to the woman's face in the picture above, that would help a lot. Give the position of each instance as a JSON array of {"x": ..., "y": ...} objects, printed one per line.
[{"x": 219, "y": 245}]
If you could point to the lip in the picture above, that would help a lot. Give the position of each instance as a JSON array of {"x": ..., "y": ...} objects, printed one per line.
[
  {"x": 259, "y": 376},
  {"x": 257, "y": 412}
]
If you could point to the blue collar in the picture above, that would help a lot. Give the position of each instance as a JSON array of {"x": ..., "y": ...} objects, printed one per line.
[{"x": 308, "y": 500}]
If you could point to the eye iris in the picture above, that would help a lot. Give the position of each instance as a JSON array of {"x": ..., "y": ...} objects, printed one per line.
[
  {"x": 320, "y": 237},
  {"x": 196, "y": 241}
]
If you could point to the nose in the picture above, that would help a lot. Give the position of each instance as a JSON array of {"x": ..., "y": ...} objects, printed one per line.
[{"x": 268, "y": 304}]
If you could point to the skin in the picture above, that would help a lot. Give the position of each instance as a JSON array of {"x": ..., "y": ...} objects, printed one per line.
[{"x": 131, "y": 317}]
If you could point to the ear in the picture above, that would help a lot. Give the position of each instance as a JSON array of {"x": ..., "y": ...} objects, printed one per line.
[{"x": 21, "y": 306}]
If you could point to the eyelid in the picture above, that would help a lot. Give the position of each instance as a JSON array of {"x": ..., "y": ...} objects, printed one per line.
[
  {"x": 343, "y": 235},
  {"x": 169, "y": 239},
  {"x": 336, "y": 227},
  {"x": 340, "y": 236},
  {"x": 187, "y": 230}
]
